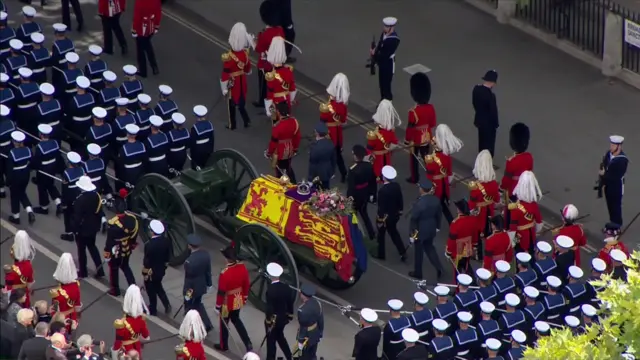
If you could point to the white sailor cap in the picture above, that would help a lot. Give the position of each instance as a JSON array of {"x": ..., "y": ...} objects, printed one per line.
[
  {"x": 18, "y": 136},
  {"x": 442, "y": 290},
  {"x": 47, "y": 89},
  {"x": 94, "y": 149},
  {"x": 16, "y": 44},
  {"x": 129, "y": 69},
  {"x": 502, "y": 266},
  {"x": 45, "y": 129},
  {"x": 82, "y": 82},
  {"x": 156, "y": 120},
  {"x": 165, "y": 90},
  {"x": 542, "y": 326},
  {"x": 156, "y": 226},
  {"x": 122, "y": 101},
  {"x": 440, "y": 325},
  {"x": 616, "y": 139},
  {"x": 464, "y": 279},
  {"x": 72, "y": 57},
  {"x": 109, "y": 76},
  {"x": 576, "y": 272},
  {"x": 369, "y": 315},
  {"x": 618, "y": 255},
  {"x": 589, "y": 310},
  {"x": 464, "y": 316},
  {"x": 572, "y": 321},
  {"x": 512, "y": 300},
  {"x": 554, "y": 281},
  {"x": 564, "y": 242},
  {"x": 390, "y": 21},
  {"x": 487, "y": 307},
  {"x": 483, "y": 274},
  {"x": 28, "y": 11},
  {"x": 3, "y": 16},
  {"x": 598, "y": 265},
  {"x": 544, "y": 247},
  {"x": 95, "y": 50},
  {"x": 4, "y": 110},
  {"x": 523, "y": 257},
  {"x": 493, "y": 344},
  {"x": 99, "y": 112},
  {"x": 389, "y": 173},
  {"x": 4, "y": 77},
  {"x": 37, "y": 38},
  {"x": 395, "y": 304},
  {"x": 410, "y": 335},
  {"x": 58, "y": 27},
  {"x": 420, "y": 298},
  {"x": 518, "y": 336},
  {"x": 132, "y": 129},
  {"x": 200, "y": 110},
  {"x": 144, "y": 99},
  {"x": 25, "y": 72},
  {"x": 531, "y": 292},
  {"x": 178, "y": 118},
  {"x": 274, "y": 269},
  {"x": 74, "y": 157}
]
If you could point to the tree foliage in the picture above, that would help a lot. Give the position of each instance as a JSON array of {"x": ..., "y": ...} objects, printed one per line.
[{"x": 618, "y": 331}]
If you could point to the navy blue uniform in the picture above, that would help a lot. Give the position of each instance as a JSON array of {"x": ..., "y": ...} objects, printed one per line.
[
  {"x": 70, "y": 192},
  {"x": 93, "y": 71},
  {"x": 488, "y": 329},
  {"x": 18, "y": 174},
  {"x": 510, "y": 321},
  {"x": 50, "y": 113},
  {"x": 515, "y": 353},
  {"x": 177, "y": 156},
  {"x": 592, "y": 292},
  {"x": 441, "y": 348},
  {"x": 23, "y": 33},
  {"x": 47, "y": 158},
  {"x": 96, "y": 170},
  {"x": 58, "y": 61},
  {"x": 449, "y": 313},
  {"x": 157, "y": 149},
  {"x": 503, "y": 286},
  {"x": 576, "y": 296},
  {"x": 119, "y": 130},
  {"x": 197, "y": 278},
  {"x": 130, "y": 89},
  {"x": 79, "y": 119},
  {"x": 6, "y": 34},
  {"x": 384, "y": 55},
  {"x": 564, "y": 261},
  {"x": 107, "y": 100},
  {"x": 28, "y": 95},
  {"x": 12, "y": 64},
  {"x": 556, "y": 307},
  {"x": 525, "y": 278},
  {"x": 6, "y": 128},
  {"x": 66, "y": 87},
  {"x": 392, "y": 342},
  {"x": 7, "y": 97},
  {"x": 544, "y": 268},
  {"x": 487, "y": 293},
  {"x": 467, "y": 343},
  {"x": 39, "y": 60},
  {"x": 615, "y": 168},
  {"x": 164, "y": 109},
  {"x": 421, "y": 322},
  {"x": 131, "y": 159},
  {"x": 142, "y": 120},
  {"x": 101, "y": 135},
  {"x": 202, "y": 142},
  {"x": 533, "y": 313},
  {"x": 467, "y": 301}
]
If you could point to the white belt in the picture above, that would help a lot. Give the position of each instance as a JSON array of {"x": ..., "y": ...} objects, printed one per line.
[
  {"x": 553, "y": 317},
  {"x": 133, "y": 101},
  {"x": 177, "y": 149},
  {"x": 2, "y": 51},
  {"x": 6, "y": 143},
  {"x": 71, "y": 91},
  {"x": 17, "y": 76},
  {"x": 144, "y": 127},
  {"x": 47, "y": 162},
  {"x": 396, "y": 341},
  {"x": 109, "y": 108},
  {"x": 63, "y": 61},
  {"x": 122, "y": 139},
  {"x": 27, "y": 106},
  {"x": 544, "y": 283},
  {"x": 463, "y": 353},
  {"x": 424, "y": 333},
  {"x": 81, "y": 118},
  {"x": 20, "y": 167},
  {"x": 96, "y": 80},
  {"x": 574, "y": 309},
  {"x": 37, "y": 71},
  {"x": 52, "y": 124},
  {"x": 168, "y": 120},
  {"x": 73, "y": 186},
  {"x": 595, "y": 300},
  {"x": 157, "y": 158},
  {"x": 132, "y": 166},
  {"x": 502, "y": 302},
  {"x": 202, "y": 141},
  {"x": 96, "y": 178}
]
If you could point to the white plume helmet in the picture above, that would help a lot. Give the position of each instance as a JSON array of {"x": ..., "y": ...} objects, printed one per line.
[
  {"x": 277, "y": 55},
  {"x": 386, "y": 115},
  {"x": 239, "y": 39},
  {"x": 23, "y": 249},
  {"x": 192, "y": 327},
  {"x": 251, "y": 356},
  {"x": 66, "y": 271},
  {"x": 133, "y": 303},
  {"x": 446, "y": 141},
  {"x": 483, "y": 169},
  {"x": 339, "y": 88},
  {"x": 527, "y": 188},
  {"x": 570, "y": 212}
]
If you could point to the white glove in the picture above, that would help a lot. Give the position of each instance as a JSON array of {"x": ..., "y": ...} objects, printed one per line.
[
  {"x": 209, "y": 288},
  {"x": 224, "y": 87},
  {"x": 300, "y": 346},
  {"x": 450, "y": 179},
  {"x": 133, "y": 33},
  {"x": 539, "y": 227},
  {"x": 437, "y": 230},
  {"x": 267, "y": 106},
  {"x": 292, "y": 95},
  {"x": 411, "y": 240},
  {"x": 216, "y": 310},
  {"x": 144, "y": 215},
  {"x": 371, "y": 198},
  {"x": 266, "y": 154}
]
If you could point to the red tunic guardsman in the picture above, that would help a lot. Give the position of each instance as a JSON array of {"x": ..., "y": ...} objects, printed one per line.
[
  {"x": 612, "y": 234},
  {"x": 66, "y": 297},
  {"x": 334, "y": 114},
  {"x": 422, "y": 121},
  {"x": 498, "y": 245},
  {"x": 463, "y": 237},
  {"x": 281, "y": 84},
  {"x": 518, "y": 163},
  {"x": 193, "y": 332},
  {"x": 132, "y": 327},
  {"x": 285, "y": 140},
  {"x": 109, "y": 11},
  {"x": 382, "y": 140},
  {"x": 236, "y": 65},
  {"x": 483, "y": 194},
  {"x": 147, "y": 15},
  {"x": 19, "y": 275},
  {"x": 233, "y": 292},
  {"x": 269, "y": 16},
  {"x": 574, "y": 231},
  {"x": 524, "y": 214}
]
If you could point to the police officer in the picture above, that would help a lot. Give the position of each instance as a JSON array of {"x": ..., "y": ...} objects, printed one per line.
[
  {"x": 131, "y": 158},
  {"x": 441, "y": 346},
  {"x": 178, "y": 141},
  {"x": 518, "y": 343},
  {"x": 28, "y": 95},
  {"x": 95, "y": 68},
  {"x": 545, "y": 265},
  {"x": 422, "y": 317},
  {"x": 50, "y": 111},
  {"x": 362, "y": 186},
  {"x": 445, "y": 308},
  {"x": 486, "y": 112},
  {"x": 614, "y": 168},
  {"x": 70, "y": 191},
  {"x": 466, "y": 338},
  {"x": 67, "y": 87},
  {"x": 7, "y": 97},
  {"x": 142, "y": 116},
  {"x": 487, "y": 326},
  {"x": 322, "y": 157},
  {"x": 575, "y": 291},
  {"x": 123, "y": 118},
  {"x": 526, "y": 276},
  {"x": 122, "y": 235},
  {"x": 62, "y": 45},
  {"x": 426, "y": 215},
  {"x": 18, "y": 174},
  {"x": 47, "y": 159},
  {"x": 412, "y": 350},
  {"x": 15, "y": 61},
  {"x": 39, "y": 59},
  {"x": 503, "y": 283},
  {"x": 157, "y": 253},
  {"x": 101, "y": 134},
  {"x": 512, "y": 318},
  {"x": 486, "y": 292},
  {"x": 28, "y": 27},
  {"x": 87, "y": 220},
  {"x": 197, "y": 279},
  {"x": 533, "y": 310},
  {"x": 131, "y": 87},
  {"x": 108, "y": 95},
  {"x": 564, "y": 256},
  {"x": 384, "y": 55},
  {"x": 493, "y": 346},
  {"x": 554, "y": 302},
  {"x": 79, "y": 111},
  {"x": 157, "y": 148},
  {"x": 202, "y": 139},
  {"x": 95, "y": 168},
  {"x": 6, "y": 34},
  {"x": 311, "y": 323},
  {"x": 279, "y": 312},
  {"x": 7, "y": 126},
  {"x": 165, "y": 107},
  {"x": 365, "y": 346},
  {"x": 466, "y": 299},
  {"x": 392, "y": 342}
]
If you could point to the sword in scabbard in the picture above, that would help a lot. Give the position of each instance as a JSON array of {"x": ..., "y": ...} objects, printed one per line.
[
  {"x": 159, "y": 340},
  {"x": 85, "y": 308},
  {"x": 556, "y": 228},
  {"x": 43, "y": 288},
  {"x": 6, "y": 239}
]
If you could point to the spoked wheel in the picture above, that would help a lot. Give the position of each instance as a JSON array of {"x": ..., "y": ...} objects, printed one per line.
[
  {"x": 258, "y": 246},
  {"x": 156, "y": 197},
  {"x": 242, "y": 172}
]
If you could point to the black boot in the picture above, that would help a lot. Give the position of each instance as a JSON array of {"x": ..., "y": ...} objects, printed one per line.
[
  {"x": 59, "y": 210},
  {"x": 40, "y": 210},
  {"x": 66, "y": 237},
  {"x": 14, "y": 220},
  {"x": 32, "y": 218}
]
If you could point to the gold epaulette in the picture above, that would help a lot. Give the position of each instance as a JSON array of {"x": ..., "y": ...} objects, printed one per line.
[
  {"x": 225, "y": 56},
  {"x": 512, "y": 206},
  {"x": 429, "y": 158},
  {"x": 472, "y": 185},
  {"x": 289, "y": 66},
  {"x": 324, "y": 108},
  {"x": 53, "y": 292},
  {"x": 371, "y": 135},
  {"x": 119, "y": 324},
  {"x": 246, "y": 51},
  {"x": 269, "y": 76}
]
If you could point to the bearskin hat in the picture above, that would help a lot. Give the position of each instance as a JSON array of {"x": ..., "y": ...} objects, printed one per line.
[
  {"x": 420, "y": 88},
  {"x": 498, "y": 222},
  {"x": 269, "y": 13},
  {"x": 463, "y": 206},
  {"x": 519, "y": 137}
]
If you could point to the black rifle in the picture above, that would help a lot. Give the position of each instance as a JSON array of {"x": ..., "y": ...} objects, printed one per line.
[
  {"x": 600, "y": 181},
  {"x": 371, "y": 63}
]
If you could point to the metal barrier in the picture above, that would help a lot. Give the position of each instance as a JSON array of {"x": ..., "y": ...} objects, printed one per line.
[{"x": 630, "y": 52}]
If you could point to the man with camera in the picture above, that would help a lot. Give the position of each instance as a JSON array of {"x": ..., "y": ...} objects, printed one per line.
[{"x": 85, "y": 344}]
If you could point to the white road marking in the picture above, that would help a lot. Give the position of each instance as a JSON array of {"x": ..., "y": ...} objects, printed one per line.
[
  {"x": 416, "y": 68},
  {"x": 96, "y": 284}
]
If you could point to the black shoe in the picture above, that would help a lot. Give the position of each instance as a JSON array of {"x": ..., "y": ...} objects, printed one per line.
[
  {"x": 66, "y": 237},
  {"x": 142, "y": 75},
  {"x": 414, "y": 275},
  {"x": 114, "y": 293},
  {"x": 80, "y": 27},
  {"x": 167, "y": 309},
  {"x": 109, "y": 52},
  {"x": 40, "y": 210},
  {"x": 411, "y": 181},
  {"x": 246, "y": 125},
  {"x": 103, "y": 228},
  {"x": 3, "y": 194},
  {"x": 208, "y": 329},
  {"x": 100, "y": 273},
  {"x": 124, "y": 50},
  {"x": 439, "y": 274},
  {"x": 155, "y": 71},
  {"x": 258, "y": 104},
  {"x": 291, "y": 60},
  {"x": 153, "y": 312},
  {"x": 32, "y": 218},
  {"x": 220, "y": 348},
  {"x": 403, "y": 257},
  {"x": 14, "y": 220},
  {"x": 249, "y": 347},
  {"x": 59, "y": 210},
  {"x": 81, "y": 275},
  {"x": 343, "y": 179}
]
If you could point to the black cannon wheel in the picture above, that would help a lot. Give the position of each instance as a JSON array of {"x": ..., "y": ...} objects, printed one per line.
[
  {"x": 155, "y": 196},
  {"x": 242, "y": 171},
  {"x": 258, "y": 246}
]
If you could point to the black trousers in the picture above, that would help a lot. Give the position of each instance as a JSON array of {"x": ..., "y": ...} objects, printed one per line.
[
  {"x": 67, "y": 212},
  {"x": 195, "y": 303},
  {"x": 144, "y": 50},
  {"x": 423, "y": 247},
  {"x": 445, "y": 208},
  {"x": 110, "y": 27},
  {"x": 309, "y": 352},
  {"x": 115, "y": 265},
  {"x": 340, "y": 162},
  {"x": 276, "y": 335},
  {"x": 464, "y": 267},
  {"x": 199, "y": 158},
  {"x": 3, "y": 172},
  {"x": 361, "y": 208},
  {"x": 18, "y": 195},
  {"x": 84, "y": 243},
  {"x": 614, "y": 206},
  {"x": 487, "y": 138},
  {"x": 385, "y": 77},
  {"x": 419, "y": 152},
  {"x": 46, "y": 189},
  {"x": 285, "y": 165},
  {"x": 66, "y": 13},
  {"x": 290, "y": 36},
  {"x": 232, "y": 105},
  {"x": 390, "y": 226},
  {"x": 155, "y": 290},
  {"x": 233, "y": 317},
  {"x": 262, "y": 90}
]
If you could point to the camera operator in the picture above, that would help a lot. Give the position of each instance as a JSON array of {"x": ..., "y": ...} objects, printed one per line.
[{"x": 84, "y": 349}]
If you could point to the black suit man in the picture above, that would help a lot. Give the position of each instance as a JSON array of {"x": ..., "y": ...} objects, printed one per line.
[
  {"x": 322, "y": 157},
  {"x": 157, "y": 253},
  {"x": 362, "y": 186},
  {"x": 366, "y": 341},
  {"x": 86, "y": 220},
  {"x": 390, "y": 206},
  {"x": 279, "y": 312},
  {"x": 197, "y": 279},
  {"x": 486, "y": 108},
  {"x": 35, "y": 348}
]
